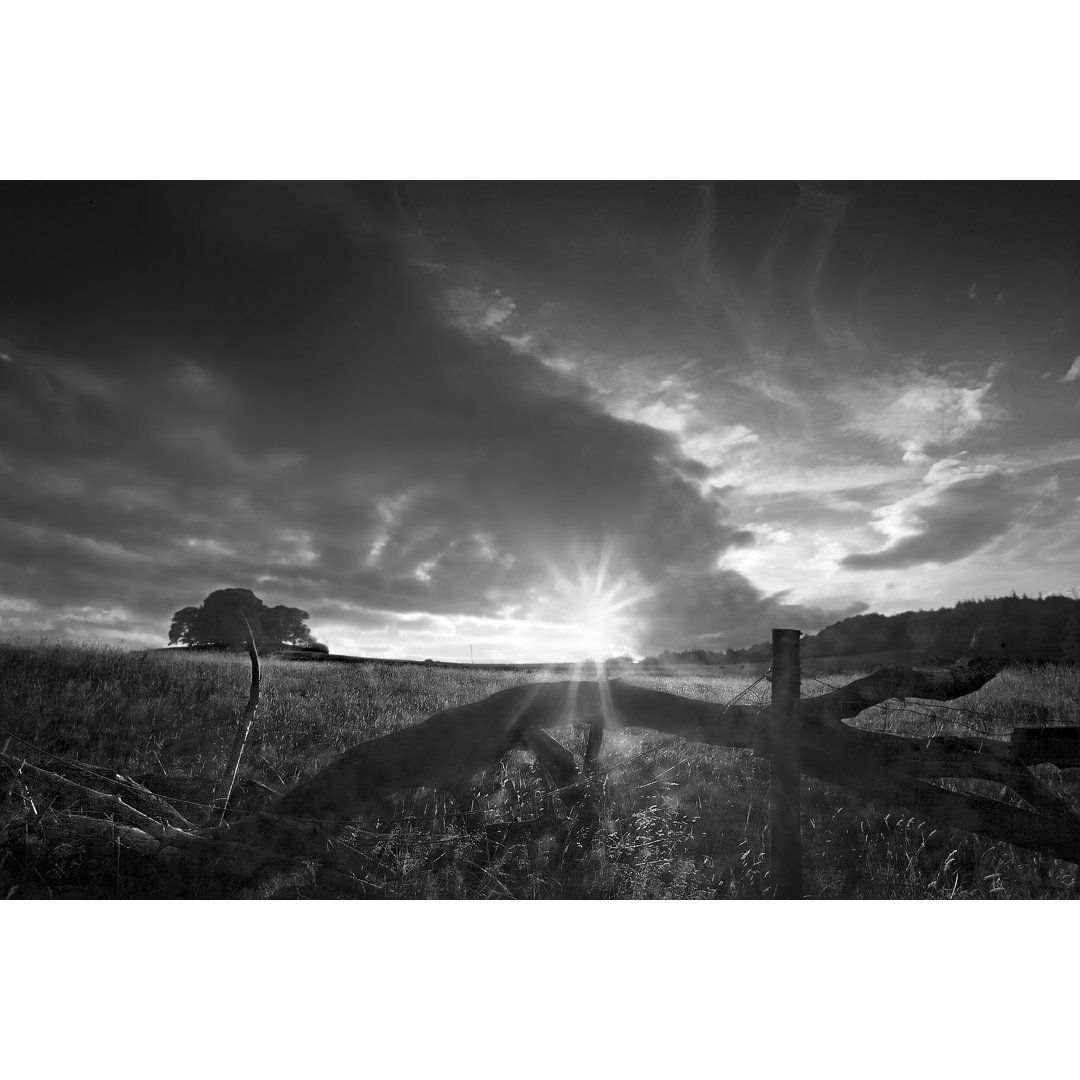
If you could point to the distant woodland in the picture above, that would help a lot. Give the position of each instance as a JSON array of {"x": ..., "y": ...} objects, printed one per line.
[{"x": 1022, "y": 628}]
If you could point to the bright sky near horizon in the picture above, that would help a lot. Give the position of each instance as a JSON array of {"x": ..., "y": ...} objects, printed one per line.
[{"x": 547, "y": 421}]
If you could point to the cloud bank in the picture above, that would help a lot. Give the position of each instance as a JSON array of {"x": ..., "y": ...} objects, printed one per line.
[{"x": 265, "y": 387}]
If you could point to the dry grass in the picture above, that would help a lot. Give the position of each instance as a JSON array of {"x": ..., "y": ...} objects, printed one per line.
[{"x": 669, "y": 818}]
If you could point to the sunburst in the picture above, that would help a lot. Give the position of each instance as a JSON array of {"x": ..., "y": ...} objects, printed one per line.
[{"x": 594, "y": 601}]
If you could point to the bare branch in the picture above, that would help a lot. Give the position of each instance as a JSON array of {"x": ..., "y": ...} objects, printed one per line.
[{"x": 243, "y": 729}]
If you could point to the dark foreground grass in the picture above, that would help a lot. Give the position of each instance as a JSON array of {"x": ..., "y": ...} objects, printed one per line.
[{"x": 667, "y": 818}]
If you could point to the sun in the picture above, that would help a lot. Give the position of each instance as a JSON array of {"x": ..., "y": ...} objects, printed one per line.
[
  {"x": 597, "y": 626},
  {"x": 595, "y": 605}
]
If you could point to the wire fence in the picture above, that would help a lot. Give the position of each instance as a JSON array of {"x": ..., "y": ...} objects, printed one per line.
[
  {"x": 677, "y": 740},
  {"x": 994, "y": 720}
]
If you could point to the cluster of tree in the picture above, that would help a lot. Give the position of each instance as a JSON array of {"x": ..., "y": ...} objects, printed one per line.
[
  {"x": 1023, "y": 628},
  {"x": 217, "y": 623},
  {"x": 701, "y": 656}
]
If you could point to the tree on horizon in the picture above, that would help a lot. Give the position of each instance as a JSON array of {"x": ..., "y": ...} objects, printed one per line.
[{"x": 217, "y": 622}]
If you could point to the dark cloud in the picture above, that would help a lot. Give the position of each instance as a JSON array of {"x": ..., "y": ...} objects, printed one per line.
[
  {"x": 258, "y": 385},
  {"x": 958, "y": 520}
]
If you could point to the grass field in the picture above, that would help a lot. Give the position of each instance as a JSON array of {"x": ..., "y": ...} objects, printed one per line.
[{"x": 669, "y": 819}]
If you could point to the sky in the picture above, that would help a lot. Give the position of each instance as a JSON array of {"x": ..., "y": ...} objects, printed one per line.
[{"x": 534, "y": 421}]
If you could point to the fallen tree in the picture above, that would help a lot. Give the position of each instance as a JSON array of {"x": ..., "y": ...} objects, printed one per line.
[
  {"x": 296, "y": 831},
  {"x": 450, "y": 747}
]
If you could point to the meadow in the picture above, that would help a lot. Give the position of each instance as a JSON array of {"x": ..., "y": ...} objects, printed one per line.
[{"x": 665, "y": 818}]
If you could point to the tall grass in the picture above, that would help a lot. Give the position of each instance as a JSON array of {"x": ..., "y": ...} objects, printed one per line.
[{"x": 667, "y": 819}]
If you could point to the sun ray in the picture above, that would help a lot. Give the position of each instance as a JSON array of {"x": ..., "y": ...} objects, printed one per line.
[{"x": 593, "y": 599}]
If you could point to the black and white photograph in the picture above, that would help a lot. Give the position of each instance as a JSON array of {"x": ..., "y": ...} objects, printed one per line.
[
  {"x": 541, "y": 540},
  {"x": 448, "y": 454}
]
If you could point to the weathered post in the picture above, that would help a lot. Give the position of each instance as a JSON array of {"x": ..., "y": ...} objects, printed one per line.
[{"x": 785, "y": 843}]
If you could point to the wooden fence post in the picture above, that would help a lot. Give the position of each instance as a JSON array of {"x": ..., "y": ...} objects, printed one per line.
[{"x": 785, "y": 843}]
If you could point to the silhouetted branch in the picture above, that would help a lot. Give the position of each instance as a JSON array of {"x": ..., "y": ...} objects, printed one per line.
[{"x": 243, "y": 729}]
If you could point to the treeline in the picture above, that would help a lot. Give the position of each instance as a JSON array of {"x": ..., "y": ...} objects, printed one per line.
[{"x": 1023, "y": 628}]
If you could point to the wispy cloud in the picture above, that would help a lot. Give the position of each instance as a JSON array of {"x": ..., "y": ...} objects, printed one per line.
[{"x": 917, "y": 409}]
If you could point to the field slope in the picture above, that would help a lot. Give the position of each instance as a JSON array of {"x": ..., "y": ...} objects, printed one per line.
[{"x": 667, "y": 819}]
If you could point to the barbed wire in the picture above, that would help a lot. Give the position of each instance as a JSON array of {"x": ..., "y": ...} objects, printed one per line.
[
  {"x": 910, "y": 704},
  {"x": 675, "y": 740}
]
